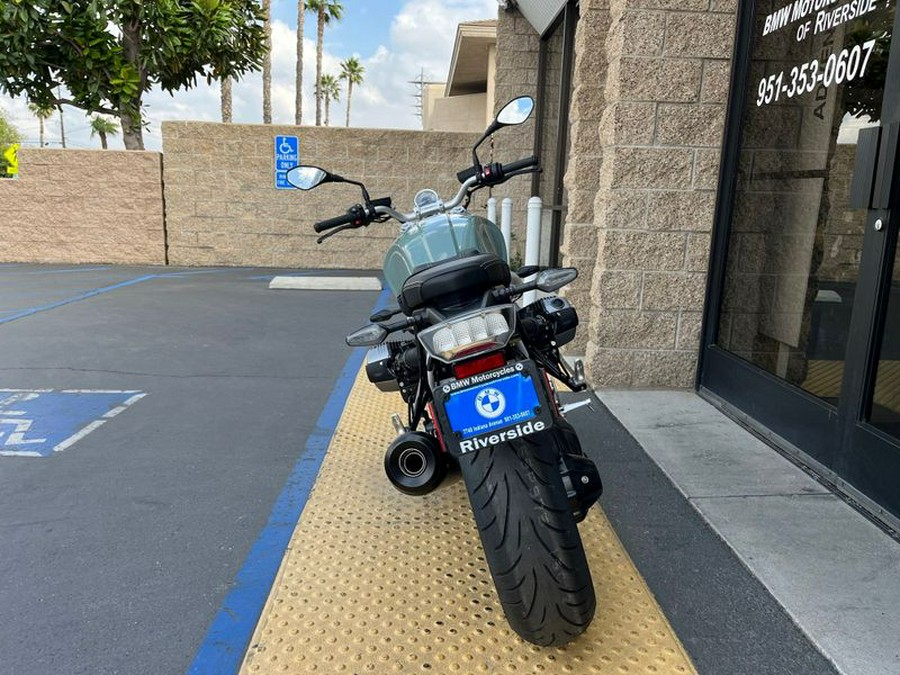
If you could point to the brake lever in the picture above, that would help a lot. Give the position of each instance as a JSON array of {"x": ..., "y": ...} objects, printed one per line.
[
  {"x": 349, "y": 226},
  {"x": 520, "y": 172}
]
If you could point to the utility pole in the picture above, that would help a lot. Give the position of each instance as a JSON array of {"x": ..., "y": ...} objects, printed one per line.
[
  {"x": 62, "y": 124},
  {"x": 420, "y": 84}
]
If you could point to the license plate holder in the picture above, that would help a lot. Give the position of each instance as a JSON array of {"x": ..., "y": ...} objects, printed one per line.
[{"x": 491, "y": 408}]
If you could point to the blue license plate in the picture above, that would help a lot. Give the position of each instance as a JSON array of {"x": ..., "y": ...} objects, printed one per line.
[{"x": 492, "y": 406}]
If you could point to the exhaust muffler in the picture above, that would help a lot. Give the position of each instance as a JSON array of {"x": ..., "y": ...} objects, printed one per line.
[{"x": 414, "y": 463}]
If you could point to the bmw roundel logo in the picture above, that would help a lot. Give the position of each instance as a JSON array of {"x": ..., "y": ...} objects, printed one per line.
[{"x": 490, "y": 403}]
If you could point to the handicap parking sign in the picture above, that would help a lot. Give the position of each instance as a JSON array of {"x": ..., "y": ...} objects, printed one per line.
[
  {"x": 40, "y": 422},
  {"x": 287, "y": 156}
]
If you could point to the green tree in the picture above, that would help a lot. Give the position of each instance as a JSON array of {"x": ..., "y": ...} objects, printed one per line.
[
  {"x": 109, "y": 53},
  {"x": 352, "y": 71},
  {"x": 326, "y": 11},
  {"x": 102, "y": 127},
  {"x": 9, "y": 135},
  {"x": 331, "y": 91},
  {"x": 42, "y": 112}
]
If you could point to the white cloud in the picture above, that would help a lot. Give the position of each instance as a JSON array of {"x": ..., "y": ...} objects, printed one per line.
[{"x": 421, "y": 37}]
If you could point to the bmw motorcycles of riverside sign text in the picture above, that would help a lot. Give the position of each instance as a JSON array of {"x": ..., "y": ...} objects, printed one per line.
[{"x": 474, "y": 370}]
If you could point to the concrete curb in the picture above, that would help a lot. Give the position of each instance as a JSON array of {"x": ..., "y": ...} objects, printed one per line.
[{"x": 306, "y": 283}]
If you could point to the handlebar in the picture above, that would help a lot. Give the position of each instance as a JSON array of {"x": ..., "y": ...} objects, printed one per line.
[
  {"x": 474, "y": 177},
  {"x": 337, "y": 221},
  {"x": 357, "y": 215},
  {"x": 495, "y": 173},
  {"x": 466, "y": 174},
  {"x": 526, "y": 163}
]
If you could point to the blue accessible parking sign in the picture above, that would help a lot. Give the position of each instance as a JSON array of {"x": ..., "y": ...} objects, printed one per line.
[
  {"x": 39, "y": 422},
  {"x": 287, "y": 156}
]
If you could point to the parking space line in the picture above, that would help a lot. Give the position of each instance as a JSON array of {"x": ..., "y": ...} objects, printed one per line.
[
  {"x": 41, "y": 422},
  {"x": 96, "y": 424},
  {"x": 69, "y": 270},
  {"x": 78, "y": 298},
  {"x": 222, "y": 650}
]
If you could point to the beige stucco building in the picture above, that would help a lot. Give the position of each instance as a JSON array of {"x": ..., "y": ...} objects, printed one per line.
[{"x": 465, "y": 102}]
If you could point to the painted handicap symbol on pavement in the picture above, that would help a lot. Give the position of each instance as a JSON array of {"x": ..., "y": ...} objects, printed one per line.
[{"x": 39, "y": 422}]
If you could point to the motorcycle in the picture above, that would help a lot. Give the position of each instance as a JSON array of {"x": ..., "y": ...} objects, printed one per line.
[{"x": 473, "y": 368}]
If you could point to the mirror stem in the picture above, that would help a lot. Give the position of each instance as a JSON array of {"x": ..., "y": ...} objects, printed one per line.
[{"x": 362, "y": 187}]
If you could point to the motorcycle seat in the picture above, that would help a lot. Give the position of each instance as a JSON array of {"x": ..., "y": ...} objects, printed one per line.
[{"x": 453, "y": 280}]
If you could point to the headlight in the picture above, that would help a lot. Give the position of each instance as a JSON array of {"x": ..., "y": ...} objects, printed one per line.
[{"x": 471, "y": 333}]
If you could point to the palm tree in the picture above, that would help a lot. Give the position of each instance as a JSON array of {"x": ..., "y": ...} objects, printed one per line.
[
  {"x": 42, "y": 112},
  {"x": 226, "y": 100},
  {"x": 352, "y": 71},
  {"x": 298, "y": 104},
  {"x": 331, "y": 91},
  {"x": 267, "y": 64},
  {"x": 102, "y": 127},
  {"x": 326, "y": 11}
]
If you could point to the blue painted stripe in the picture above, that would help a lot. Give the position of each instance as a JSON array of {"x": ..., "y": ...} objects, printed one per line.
[
  {"x": 178, "y": 275},
  {"x": 222, "y": 650},
  {"x": 68, "y": 270},
  {"x": 77, "y": 298}
]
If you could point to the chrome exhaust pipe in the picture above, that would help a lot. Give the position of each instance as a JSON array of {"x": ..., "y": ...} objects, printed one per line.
[{"x": 414, "y": 463}]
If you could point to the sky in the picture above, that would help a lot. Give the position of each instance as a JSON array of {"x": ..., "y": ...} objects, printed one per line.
[{"x": 394, "y": 40}]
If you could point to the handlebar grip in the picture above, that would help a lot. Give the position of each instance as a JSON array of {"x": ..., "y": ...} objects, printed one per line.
[
  {"x": 520, "y": 164},
  {"x": 331, "y": 223},
  {"x": 466, "y": 174}
]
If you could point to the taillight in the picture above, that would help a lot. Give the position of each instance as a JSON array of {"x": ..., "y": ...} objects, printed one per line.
[
  {"x": 484, "y": 330},
  {"x": 479, "y": 365}
]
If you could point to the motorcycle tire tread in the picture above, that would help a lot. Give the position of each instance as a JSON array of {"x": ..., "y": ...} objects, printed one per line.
[{"x": 530, "y": 539}]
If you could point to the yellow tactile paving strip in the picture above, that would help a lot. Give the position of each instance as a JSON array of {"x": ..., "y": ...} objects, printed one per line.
[{"x": 374, "y": 581}]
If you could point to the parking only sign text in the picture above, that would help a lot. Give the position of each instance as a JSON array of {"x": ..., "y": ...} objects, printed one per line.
[{"x": 287, "y": 156}]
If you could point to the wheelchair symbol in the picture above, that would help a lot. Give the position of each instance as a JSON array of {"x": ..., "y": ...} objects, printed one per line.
[{"x": 286, "y": 148}]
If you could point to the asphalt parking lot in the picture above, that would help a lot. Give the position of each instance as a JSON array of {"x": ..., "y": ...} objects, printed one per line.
[
  {"x": 119, "y": 546},
  {"x": 158, "y": 429}
]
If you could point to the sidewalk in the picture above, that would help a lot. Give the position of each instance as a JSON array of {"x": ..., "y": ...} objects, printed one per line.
[{"x": 836, "y": 574}]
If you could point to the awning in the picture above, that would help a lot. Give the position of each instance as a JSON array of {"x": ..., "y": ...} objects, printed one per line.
[{"x": 540, "y": 13}]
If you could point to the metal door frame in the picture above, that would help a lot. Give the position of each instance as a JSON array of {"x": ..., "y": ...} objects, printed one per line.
[{"x": 835, "y": 441}]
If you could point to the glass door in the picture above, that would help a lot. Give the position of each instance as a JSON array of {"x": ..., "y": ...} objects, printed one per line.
[
  {"x": 869, "y": 455},
  {"x": 799, "y": 326}
]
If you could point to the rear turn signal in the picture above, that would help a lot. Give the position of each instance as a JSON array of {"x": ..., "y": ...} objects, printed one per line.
[{"x": 480, "y": 365}]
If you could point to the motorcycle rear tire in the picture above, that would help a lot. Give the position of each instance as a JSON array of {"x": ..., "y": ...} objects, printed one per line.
[{"x": 530, "y": 539}]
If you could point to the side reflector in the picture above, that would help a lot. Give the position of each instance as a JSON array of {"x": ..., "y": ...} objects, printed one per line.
[{"x": 480, "y": 365}]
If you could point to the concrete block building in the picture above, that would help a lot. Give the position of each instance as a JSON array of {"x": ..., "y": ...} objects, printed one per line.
[{"x": 724, "y": 175}]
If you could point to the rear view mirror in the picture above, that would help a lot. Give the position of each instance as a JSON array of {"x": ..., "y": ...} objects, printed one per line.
[
  {"x": 516, "y": 111},
  {"x": 307, "y": 177}
]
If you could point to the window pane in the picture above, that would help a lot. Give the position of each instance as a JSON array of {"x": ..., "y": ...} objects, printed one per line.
[{"x": 794, "y": 244}]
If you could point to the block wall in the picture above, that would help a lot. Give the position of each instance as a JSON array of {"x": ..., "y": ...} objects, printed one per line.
[
  {"x": 84, "y": 206},
  {"x": 223, "y": 209}
]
